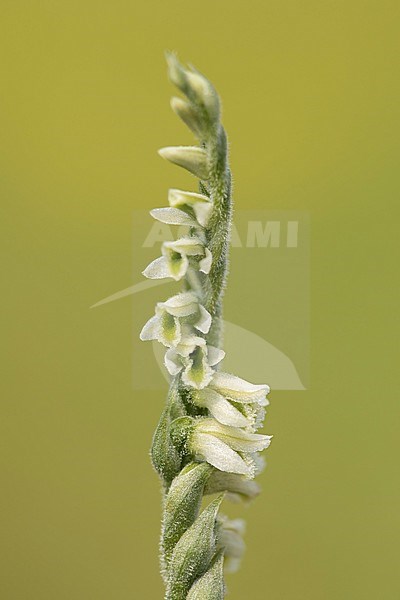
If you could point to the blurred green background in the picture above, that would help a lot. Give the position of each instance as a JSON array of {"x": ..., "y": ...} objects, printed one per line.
[{"x": 311, "y": 105}]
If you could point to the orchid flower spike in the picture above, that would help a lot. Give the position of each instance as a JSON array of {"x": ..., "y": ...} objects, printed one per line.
[{"x": 206, "y": 440}]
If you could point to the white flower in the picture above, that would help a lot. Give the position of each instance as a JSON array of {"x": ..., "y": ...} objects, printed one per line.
[
  {"x": 205, "y": 263},
  {"x": 230, "y": 539},
  {"x": 194, "y": 358},
  {"x": 237, "y": 487},
  {"x": 191, "y": 158},
  {"x": 186, "y": 208},
  {"x": 233, "y": 401},
  {"x": 199, "y": 203},
  {"x": 227, "y": 448},
  {"x": 166, "y": 325},
  {"x": 236, "y": 414},
  {"x": 238, "y": 389},
  {"x": 174, "y": 261},
  {"x": 220, "y": 408},
  {"x": 259, "y": 462}
]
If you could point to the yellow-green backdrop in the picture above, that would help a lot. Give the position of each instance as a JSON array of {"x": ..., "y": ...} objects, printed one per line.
[{"x": 311, "y": 104}]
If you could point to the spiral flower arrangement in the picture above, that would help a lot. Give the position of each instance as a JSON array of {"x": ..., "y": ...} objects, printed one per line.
[{"x": 206, "y": 441}]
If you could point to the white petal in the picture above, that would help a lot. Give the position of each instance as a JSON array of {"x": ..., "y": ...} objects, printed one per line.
[
  {"x": 236, "y": 438},
  {"x": 237, "y": 526},
  {"x": 239, "y": 389},
  {"x": 201, "y": 204},
  {"x": 181, "y": 305},
  {"x": 259, "y": 462},
  {"x": 254, "y": 413},
  {"x": 172, "y": 362},
  {"x": 197, "y": 373},
  {"x": 218, "y": 454},
  {"x": 203, "y": 211},
  {"x": 264, "y": 401},
  {"x": 232, "y": 564},
  {"x": 193, "y": 378},
  {"x": 177, "y": 262},
  {"x": 237, "y": 486},
  {"x": 188, "y": 344},
  {"x": 158, "y": 269},
  {"x": 230, "y": 538},
  {"x": 206, "y": 262},
  {"x": 180, "y": 198},
  {"x": 190, "y": 246},
  {"x": 215, "y": 355},
  {"x": 172, "y": 216},
  {"x": 204, "y": 322},
  {"x": 220, "y": 408},
  {"x": 170, "y": 329},
  {"x": 151, "y": 330}
]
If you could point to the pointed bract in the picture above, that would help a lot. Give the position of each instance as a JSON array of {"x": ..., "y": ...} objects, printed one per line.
[
  {"x": 193, "y": 553},
  {"x": 182, "y": 504},
  {"x": 210, "y": 586}
]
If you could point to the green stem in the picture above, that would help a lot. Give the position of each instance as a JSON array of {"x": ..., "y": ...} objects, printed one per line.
[{"x": 219, "y": 230}]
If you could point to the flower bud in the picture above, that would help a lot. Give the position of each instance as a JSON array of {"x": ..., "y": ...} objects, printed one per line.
[
  {"x": 188, "y": 114},
  {"x": 204, "y": 93},
  {"x": 176, "y": 73},
  {"x": 195, "y": 86},
  {"x": 237, "y": 487},
  {"x": 191, "y": 158}
]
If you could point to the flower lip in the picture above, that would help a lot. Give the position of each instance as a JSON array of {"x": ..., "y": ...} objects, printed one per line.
[
  {"x": 220, "y": 408},
  {"x": 227, "y": 448},
  {"x": 180, "y": 305},
  {"x": 191, "y": 246},
  {"x": 238, "y": 389}
]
